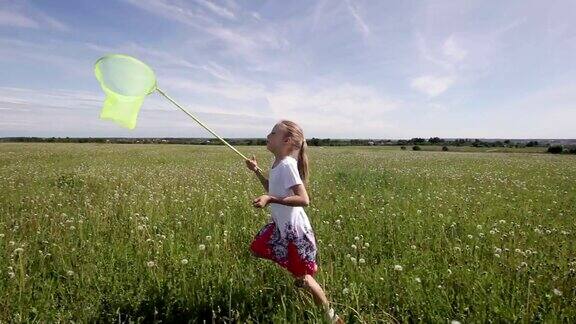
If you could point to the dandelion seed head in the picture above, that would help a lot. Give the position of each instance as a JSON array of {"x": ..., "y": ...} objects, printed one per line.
[{"x": 557, "y": 292}]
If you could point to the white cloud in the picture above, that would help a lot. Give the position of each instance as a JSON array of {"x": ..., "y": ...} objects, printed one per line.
[
  {"x": 242, "y": 91},
  {"x": 453, "y": 50},
  {"x": 10, "y": 18},
  {"x": 338, "y": 110},
  {"x": 432, "y": 85},
  {"x": 245, "y": 40},
  {"x": 171, "y": 11},
  {"x": 162, "y": 59},
  {"x": 42, "y": 112},
  {"x": 360, "y": 23},
  {"x": 329, "y": 108},
  {"x": 19, "y": 99},
  {"x": 22, "y": 14},
  {"x": 219, "y": 10}
]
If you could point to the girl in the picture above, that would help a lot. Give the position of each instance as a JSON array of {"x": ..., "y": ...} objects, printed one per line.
[{"x": 289, "y": 240}]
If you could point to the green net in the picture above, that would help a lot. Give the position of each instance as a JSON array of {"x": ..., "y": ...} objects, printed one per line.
[{"x": 126, "y": 81}]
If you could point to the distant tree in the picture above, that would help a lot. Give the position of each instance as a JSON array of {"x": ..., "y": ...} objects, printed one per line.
[
  {"x": 416, "y": 148},
  {"x": 555, "y": 149},
  {"x": 403, "y": 148},
  {"x": 460, "y": 142},
  {"x": 435, "y": 140},
  {"x": 314, "y": 141},
  {"x": 445, "y": 148},
  {"x": 417, "y": 140},
  {"x": 532, "y": 144},
  {"x": 572, "y": 150},
  {"x": 325, "y": 142}
]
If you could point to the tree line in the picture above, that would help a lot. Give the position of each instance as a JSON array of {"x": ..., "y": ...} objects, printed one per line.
[{"x": 416, "y": 141}]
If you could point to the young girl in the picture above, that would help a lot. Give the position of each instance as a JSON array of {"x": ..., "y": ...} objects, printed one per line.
[{"x": 289, "y": 240}]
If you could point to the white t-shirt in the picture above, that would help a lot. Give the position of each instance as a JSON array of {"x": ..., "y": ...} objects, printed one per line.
[{"x": 287, "y": 218}]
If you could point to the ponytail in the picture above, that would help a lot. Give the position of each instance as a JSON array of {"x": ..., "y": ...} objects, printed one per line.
[
  {"x": 298, "y": 142},
  {"x": 303, "y": 162}
]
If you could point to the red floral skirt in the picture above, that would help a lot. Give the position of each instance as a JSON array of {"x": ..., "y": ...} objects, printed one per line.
[{"x": 297, "y": 255}]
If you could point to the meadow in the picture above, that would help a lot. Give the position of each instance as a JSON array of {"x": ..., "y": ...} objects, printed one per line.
[{"x": 150, "y": 233}]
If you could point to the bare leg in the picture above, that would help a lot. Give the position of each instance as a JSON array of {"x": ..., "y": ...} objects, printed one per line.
[{"x": 308, "y": 282}]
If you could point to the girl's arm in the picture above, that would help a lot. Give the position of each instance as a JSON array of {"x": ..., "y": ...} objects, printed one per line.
[
  {"x": 253, "y": 166},
  {"x": 262, "y": 179},
  {"x": 299, "y": 199}
]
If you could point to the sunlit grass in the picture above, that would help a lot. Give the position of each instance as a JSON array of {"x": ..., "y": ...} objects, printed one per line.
[{"x": 161, "y": 232}]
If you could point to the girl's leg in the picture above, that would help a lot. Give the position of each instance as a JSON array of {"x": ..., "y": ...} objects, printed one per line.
[{"x": 308, "y": 282}]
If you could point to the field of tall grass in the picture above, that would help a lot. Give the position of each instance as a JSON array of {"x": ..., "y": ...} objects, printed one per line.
[{"x": 141, "y": 233}]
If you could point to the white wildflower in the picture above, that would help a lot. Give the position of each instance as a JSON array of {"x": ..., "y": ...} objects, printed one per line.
[{"x": 557, "y": 292}]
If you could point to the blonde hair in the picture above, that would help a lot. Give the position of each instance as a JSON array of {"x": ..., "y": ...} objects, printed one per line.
[{"x": 296, "y": 135}]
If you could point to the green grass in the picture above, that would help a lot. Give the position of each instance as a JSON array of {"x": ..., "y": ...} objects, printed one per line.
[{"x": 98, "y": 232}]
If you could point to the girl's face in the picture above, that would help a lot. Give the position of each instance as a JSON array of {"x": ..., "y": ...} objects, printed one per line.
[{"x": 276, "y": 140}]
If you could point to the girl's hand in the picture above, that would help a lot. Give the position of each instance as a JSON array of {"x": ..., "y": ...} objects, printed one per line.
[
  {"x": 252, "y": 164},
  {"x": 261, "y": 201}
]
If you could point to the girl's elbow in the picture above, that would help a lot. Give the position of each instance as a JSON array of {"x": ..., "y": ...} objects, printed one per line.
[{"x": 306, "y": 202}]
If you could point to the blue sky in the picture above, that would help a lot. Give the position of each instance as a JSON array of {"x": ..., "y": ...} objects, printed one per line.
[{"x": 341, "y": 69}]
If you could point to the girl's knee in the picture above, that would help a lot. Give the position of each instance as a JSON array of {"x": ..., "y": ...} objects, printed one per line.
[
  {"x": 303, "y": 281},
  {"x": 300, "y": 282}
]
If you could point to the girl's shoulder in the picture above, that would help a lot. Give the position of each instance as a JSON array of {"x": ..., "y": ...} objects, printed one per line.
[
  {"x": 286, "y": 161},
  {"x": 290, "y": 160}
]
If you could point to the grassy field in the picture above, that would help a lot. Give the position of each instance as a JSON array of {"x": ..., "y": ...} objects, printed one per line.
[{"x": 119, "y": 233}]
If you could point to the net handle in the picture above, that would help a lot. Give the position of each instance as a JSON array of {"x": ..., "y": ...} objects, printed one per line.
[{"x": 258, "y": 170}]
